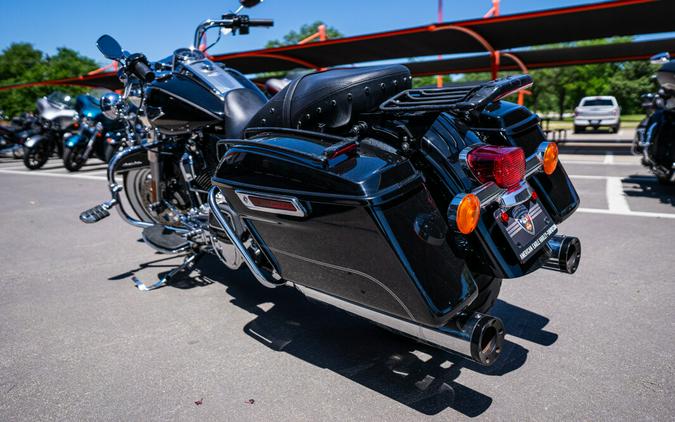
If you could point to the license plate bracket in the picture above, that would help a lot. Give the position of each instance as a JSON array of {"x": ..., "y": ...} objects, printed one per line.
[{"x": 527, "y": 229}]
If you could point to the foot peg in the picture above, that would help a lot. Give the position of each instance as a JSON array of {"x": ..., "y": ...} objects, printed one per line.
[
  {"x": 164, "y": 240},
  {"x": 188, "y": 264},
  {"x": 97, "y": 213}
]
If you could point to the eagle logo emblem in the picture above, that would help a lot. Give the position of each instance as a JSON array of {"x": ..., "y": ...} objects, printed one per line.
[{"x": 524, "y": 219}]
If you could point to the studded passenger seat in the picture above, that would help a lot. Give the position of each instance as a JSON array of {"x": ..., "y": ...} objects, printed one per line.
[{"x": 332, "y": 99}]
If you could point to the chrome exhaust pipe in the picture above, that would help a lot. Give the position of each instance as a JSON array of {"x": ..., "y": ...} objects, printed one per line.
[
  {"x": 477, "y": 337},
  {"x": 565, "y": 254}
]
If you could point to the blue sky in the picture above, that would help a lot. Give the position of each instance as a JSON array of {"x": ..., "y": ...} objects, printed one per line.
[{"x": 157, "y": 28}]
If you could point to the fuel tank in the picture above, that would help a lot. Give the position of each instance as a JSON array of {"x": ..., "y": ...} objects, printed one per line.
[
  {"x": 178, "y": 105},
  {"x": 369, "y": 231}
]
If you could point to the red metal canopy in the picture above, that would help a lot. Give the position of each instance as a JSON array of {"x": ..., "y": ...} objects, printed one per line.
[
  {"x": 597, "y": 20},
  {"x": 550, "y": 57}
]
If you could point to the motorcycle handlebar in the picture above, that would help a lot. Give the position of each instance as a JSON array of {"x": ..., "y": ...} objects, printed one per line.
[
  {"x": 261, "y": 22},
  {"x": 143, "y": 71}
]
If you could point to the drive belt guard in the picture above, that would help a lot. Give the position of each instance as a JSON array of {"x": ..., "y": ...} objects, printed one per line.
[{"x": 454, "y": 99}]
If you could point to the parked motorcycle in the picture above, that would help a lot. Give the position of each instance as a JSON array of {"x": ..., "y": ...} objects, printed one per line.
[
  {"x": 13, "y": 136},
  {"x": 57, "y": 117},
  {"x": 101, "y": 134},
  {"x": 403, "y": 206},
  {"x": 655, "y": 139}
]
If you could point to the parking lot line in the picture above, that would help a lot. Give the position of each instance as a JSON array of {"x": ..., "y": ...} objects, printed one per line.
[
  {"x": 43, "y": 173},
  {"x": 609, "y": 158},
  {"x": 598, "y": 163},
  {"x": 626, "y": 213},
  {"x": 616, "y": 197}
]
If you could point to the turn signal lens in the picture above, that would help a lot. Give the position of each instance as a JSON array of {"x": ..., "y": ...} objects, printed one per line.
[
  {"x": 550, "y": 159},
  {"x": 503, "y": 165},
  {"x": 468, "y": 214}
]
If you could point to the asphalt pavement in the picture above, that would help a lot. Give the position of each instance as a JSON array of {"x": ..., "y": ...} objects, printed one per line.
[{"x": 79, "y": 342}]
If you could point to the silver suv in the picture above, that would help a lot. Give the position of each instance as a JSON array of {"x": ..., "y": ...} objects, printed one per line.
[{"x": 596, "y": 112}]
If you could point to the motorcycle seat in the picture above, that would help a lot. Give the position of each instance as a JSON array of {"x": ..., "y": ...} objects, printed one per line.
[{"x": 333, "y": 98}]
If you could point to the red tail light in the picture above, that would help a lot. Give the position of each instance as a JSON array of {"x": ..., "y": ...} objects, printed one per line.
[{"x": 503, "y": 165}]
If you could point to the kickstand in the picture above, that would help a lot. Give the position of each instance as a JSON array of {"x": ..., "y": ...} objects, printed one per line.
[{"x": 188, "y": 263}]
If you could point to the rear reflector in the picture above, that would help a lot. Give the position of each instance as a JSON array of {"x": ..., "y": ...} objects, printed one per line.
[
  {"x": 503, "y": 165},
  {"x": 273, "y": 204}
]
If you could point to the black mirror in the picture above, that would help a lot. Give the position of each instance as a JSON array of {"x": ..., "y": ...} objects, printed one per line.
[
  {"x": 110, "y": 48},
  {"x": 660, "y": 58},
  {"x": 249, "y": 3}
]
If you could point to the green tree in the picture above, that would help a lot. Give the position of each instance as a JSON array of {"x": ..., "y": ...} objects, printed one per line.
[
  {"x": 305, "y": 31},
  {"x": 22, "y": 63}
]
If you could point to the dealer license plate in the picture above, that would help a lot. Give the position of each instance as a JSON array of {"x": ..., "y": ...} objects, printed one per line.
[{"x": 527, "y": 229}]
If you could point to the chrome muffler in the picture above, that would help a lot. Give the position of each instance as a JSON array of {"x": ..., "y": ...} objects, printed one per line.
[
  {"x": 565, "y": 254},
  {"x": 476, "y": 337}
]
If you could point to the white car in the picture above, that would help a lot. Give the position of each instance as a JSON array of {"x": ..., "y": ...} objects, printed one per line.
[{"x": 596, "y": 112}]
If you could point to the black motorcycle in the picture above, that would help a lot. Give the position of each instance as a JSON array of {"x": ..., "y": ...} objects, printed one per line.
[
  {"x": 404, "y": 206},
  {"x": 13, "y": 136},
  {"x": 57, "y": 118},
  {"x": 655, "y": 136}
]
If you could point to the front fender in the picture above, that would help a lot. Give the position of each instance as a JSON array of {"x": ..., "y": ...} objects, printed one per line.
[
  {"x": 34, "y": 140},
  {"x": 73, "y": 140}
]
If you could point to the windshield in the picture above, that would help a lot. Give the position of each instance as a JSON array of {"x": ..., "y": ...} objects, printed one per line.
[
  {"x": 61, "y": 98},
  {"x": 595, "y": 102}
]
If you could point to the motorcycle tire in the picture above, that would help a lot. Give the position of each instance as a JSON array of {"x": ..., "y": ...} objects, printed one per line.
[
  {"x": 73, "y": 158},
  {"x": 36, "y": 156},
  {"x": 488, "y": 290},
  {"x": 666, "y": 180},
  {"x": 136, "y": 189}
]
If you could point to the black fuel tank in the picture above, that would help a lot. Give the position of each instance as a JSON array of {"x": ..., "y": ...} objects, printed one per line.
[
  {"x": 372, "y": 233},
  {"x": 179, "y": 105}
]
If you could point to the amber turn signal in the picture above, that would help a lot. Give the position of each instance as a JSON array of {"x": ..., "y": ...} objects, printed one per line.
[
  {"x": 550, "y": 158},
  {"x": 468, "y": 214}
]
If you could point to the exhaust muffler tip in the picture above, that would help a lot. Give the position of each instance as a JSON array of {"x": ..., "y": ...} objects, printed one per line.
[
  {"x": 487, "y": 339},
  {"x": 565, "y": 254}
]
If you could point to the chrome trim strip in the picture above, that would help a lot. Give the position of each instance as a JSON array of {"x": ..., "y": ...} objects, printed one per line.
[{"x": 300, "y": 211}]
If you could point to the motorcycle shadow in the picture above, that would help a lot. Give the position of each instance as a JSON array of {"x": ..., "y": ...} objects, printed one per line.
[
  {"x": 420, "y": 377},
  {"x": 649, "y": 187}
]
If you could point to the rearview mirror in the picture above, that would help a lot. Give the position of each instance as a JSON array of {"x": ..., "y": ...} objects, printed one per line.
[
  {"x": 110, "y": 48},
  {"x": 250, "y": 3},
  {"x": 660, "y": 58}
]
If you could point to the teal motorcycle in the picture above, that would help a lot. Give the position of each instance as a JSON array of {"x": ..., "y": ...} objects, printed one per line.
[{"x": 99, "y": 135}]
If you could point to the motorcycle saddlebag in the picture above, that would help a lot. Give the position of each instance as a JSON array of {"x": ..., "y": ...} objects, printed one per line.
[{"x": 362, "y": 227}]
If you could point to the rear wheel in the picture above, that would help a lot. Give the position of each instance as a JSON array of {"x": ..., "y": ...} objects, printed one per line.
[
  {"x": 73, "y": 158},
  {"x": 578, "y": 129},
  {"x": 488, "y": 290},
  {"x": 665, "y": 179},
  {"x": 36, "y": 156}
]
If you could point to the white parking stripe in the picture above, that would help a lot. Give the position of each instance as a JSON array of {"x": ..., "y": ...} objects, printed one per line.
[
  {"x": 626, "y": 213},
  {"x": 42, "y": 173},
  {"x": 598, "y": 163},
  {"x": 609, "y": 158},
  {"x": 616, "y": 197}
]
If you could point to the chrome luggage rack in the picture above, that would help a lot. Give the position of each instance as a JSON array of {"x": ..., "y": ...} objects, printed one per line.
[{"x": 460, "y": 98}]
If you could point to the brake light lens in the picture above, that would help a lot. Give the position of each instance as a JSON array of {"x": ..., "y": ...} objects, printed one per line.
[
  {"x": 550, "y": 158},
  {"x": 468, "y": 214},
  {"x": 503, "y": 165}
]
